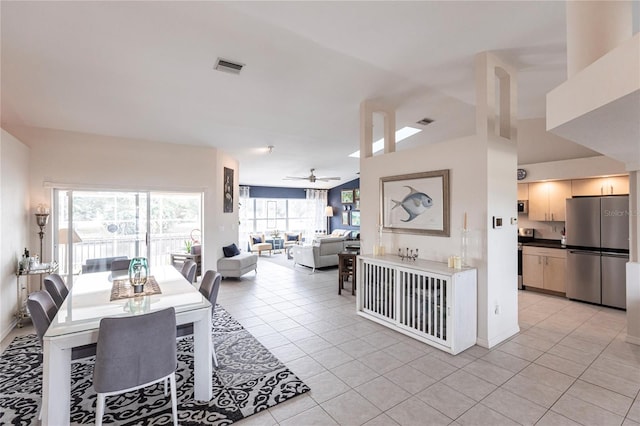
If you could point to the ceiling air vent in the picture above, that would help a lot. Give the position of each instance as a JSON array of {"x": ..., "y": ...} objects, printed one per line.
[
  {"x": 425, "y": 121},
  {"x": 228, "y": 66}
]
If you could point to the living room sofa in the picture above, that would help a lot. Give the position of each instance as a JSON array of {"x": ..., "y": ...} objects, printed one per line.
[{"x": 321, "y": 253}]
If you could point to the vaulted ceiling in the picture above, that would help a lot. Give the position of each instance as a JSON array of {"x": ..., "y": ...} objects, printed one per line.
[{"x": 144, "y": 70}]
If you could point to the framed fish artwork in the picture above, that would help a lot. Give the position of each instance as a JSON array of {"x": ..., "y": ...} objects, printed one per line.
[{"x": 416, "y": 203}]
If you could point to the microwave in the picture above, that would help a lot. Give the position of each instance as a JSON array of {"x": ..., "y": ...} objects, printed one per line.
[{"x": 523, "y": 206}]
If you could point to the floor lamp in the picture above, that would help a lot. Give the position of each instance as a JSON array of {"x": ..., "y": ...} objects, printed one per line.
[
  {"x": 42, "y": 218},
  {"x": 328, "y": 212}
]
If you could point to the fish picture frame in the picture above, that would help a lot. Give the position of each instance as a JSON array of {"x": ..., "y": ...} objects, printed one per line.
[{"x": 416, "y": 203}]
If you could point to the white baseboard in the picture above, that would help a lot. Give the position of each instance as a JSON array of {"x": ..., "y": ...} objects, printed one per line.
[
  {"x": 6, "y": 332},
  {"x": 490, "y": 343},
  {"x": 633, "y": 340}
]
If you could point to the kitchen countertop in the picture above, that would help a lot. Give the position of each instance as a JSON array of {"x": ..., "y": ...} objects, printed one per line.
[{"x": 555, "y": 244}]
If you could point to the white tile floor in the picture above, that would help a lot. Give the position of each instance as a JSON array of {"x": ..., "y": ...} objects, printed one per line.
[{"x": 569, "y": 365}]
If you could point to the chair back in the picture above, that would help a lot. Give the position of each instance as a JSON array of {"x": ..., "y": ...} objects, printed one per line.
[
  {"x": 210, "y": 286},
  {"x": 42, "y": 309},
  {"x": 189, "y": 269},
  {"x": 120, "y": 265},
  {"x": 135, "y": 350},
  {"x": 56, "y": 287}
]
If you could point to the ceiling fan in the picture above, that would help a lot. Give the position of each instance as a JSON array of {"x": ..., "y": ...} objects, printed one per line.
[{"x": 312, "y": 178}]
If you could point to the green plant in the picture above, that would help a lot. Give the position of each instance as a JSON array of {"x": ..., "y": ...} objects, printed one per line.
[{"x": 187, "y": 245}]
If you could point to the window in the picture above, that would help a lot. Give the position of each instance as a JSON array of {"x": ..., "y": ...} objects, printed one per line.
[
  {"x": 265, "y": 215},
  {"x": 123, "y": 223}
]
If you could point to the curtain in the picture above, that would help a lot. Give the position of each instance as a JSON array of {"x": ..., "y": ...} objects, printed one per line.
[
  {"x": 317, "y": 199},
  {"x": 246, "y": 226}
]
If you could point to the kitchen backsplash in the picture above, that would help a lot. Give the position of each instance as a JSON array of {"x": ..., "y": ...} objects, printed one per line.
[{"x": 543, "y": 230}]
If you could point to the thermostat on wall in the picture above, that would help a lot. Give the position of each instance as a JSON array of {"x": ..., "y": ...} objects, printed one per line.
[{"x": 497, "y": 222}]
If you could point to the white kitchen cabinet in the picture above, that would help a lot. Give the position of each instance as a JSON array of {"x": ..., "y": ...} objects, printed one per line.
[
  {"x": 544, "y": 268},
  {"x": 615, "y": 185},
  {"x": 547, "y": 200},
  {"x": 423, "y": 299}
]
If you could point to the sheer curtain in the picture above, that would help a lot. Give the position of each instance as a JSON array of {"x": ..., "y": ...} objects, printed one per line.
[
  {"x": 317, "y": 199},
  {"x": 246, "y": 225}
]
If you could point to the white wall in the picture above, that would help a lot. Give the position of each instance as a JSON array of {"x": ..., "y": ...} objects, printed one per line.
[
  {"x": 14, "y": 222},
  {"x": 469, "y": 160},
  {"x": 84, "y": 160},
  {"x": 502, "y": 244}
]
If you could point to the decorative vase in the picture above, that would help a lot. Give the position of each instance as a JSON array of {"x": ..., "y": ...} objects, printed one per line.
[{"x": 138, "y": 273}]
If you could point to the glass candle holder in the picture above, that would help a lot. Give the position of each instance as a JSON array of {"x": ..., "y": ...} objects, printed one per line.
[{"x": 138, "y": 273}]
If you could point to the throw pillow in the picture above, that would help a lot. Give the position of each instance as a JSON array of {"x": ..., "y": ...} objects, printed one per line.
[
  {"x": 230, "y": 250},
  {"x": 293, "y": 237},
  {"x": 257, "y": 240}
]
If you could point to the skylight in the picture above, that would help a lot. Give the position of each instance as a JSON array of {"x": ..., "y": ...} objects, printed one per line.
[{"x": 401, "y": 135}]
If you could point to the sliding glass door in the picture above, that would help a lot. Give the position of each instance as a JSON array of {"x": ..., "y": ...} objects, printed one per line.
[{"x": 91, "y": 227}]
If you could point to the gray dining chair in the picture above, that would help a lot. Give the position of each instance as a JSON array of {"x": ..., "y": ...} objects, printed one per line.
[
  {"x": 135, "y": 352},
  {"x": 43, "y": 310},
  {"x": 188, "y": 270},
  {"x": 209, "y": 288},
  {"x": 120, "y": 265},
  {"x": 54, "y": 284}
]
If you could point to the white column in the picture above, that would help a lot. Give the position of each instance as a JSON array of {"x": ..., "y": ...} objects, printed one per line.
[
  {"x": 593, "y": 29},
  {"x": 366, "y": 130},
  {"x": 367, "y": 108},
  {"x": 491, "y": 119},
  {"x": 633, "y": 267}
]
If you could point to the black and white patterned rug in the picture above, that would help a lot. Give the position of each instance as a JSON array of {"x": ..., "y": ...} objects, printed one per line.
[{"x": 249, "y": 379}]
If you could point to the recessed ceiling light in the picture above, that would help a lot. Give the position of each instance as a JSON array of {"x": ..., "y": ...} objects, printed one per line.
[{"x": 401, "y": 135}]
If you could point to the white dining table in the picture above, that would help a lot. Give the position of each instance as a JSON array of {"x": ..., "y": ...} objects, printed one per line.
[{"x": 78, "y": 320}]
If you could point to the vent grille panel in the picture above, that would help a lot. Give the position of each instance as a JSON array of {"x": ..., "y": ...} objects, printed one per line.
[{"x": 228, "y": 66}]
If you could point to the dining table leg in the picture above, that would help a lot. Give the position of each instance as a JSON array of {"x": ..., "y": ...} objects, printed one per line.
[
  {"x": 56, "y": 384},
  {"x": 202, "y": 357}
]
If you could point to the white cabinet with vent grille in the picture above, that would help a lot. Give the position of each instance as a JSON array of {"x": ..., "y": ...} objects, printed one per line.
[{"x": 424, "y": 300}]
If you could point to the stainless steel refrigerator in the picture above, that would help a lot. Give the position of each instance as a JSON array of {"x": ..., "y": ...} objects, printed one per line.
[{"x": 598, "y": 249}]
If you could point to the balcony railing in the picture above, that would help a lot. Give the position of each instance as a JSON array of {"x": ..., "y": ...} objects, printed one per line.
[{"x": 160, "y": 254}]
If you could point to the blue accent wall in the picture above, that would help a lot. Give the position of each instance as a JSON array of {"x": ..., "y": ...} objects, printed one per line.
[
  {"x": 336, "y": 202},
  {"x": 276, "y": 192}
]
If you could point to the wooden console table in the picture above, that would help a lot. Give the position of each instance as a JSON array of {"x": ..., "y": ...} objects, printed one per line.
[{"x": 423, "y": 299}]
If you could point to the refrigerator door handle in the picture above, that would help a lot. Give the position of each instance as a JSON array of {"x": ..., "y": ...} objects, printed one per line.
[
  {"x": 618, "y": 255},
  {"x": 587, "y": 252}
]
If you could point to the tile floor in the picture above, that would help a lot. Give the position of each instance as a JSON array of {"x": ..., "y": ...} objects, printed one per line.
[{"x": 569, "y": 365}]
